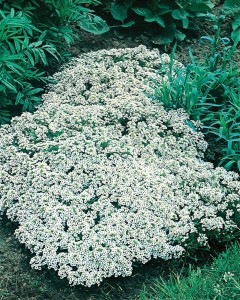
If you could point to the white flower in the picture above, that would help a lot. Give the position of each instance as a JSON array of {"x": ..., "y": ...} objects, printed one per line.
[{"x": 100, "y": 176}]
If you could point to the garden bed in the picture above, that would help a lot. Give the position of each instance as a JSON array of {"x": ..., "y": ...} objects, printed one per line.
[{"x": 17, "y": 279}]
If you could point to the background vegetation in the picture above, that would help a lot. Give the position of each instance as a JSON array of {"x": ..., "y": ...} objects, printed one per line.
[
  {"x": 35, "y": 36},
  {"x": 232, "y": 8},
  {"x": 209, "y": 92},
  {"x": 173, "y": 17}
]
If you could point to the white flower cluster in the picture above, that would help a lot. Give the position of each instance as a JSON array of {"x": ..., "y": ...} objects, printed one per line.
[{"x": 101, "y": 176}]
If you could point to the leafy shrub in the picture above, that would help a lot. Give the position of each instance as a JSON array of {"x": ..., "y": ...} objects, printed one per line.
[
  {"x": 100, "y": 176},
  {"x": 172, "y": 16},
  {"x": 209, "y": 92},
  {"x": 35, "y": 34},
  {"x": 219, "y": 281},
  {"x": 232, "y": 7}
]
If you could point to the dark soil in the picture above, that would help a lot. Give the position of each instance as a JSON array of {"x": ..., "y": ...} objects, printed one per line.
[{"x": 17, "y": 279}]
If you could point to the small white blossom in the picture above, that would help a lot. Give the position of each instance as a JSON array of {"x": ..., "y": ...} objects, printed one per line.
[{"x": 101, "y": 176}]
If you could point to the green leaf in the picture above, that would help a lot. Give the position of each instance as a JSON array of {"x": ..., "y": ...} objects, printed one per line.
[
  {"x": 12, "y": 12},
  {"x": 25, "y": 104},
  {"x": 42, "y": 35},
  {"x": 238, "y": 164},
  {"x": 236, "y": 22},
  {"x": 181, "y": 14},
  {"x": 149, "y": 16},
  {"x": 119, "y": 10},
  {"x": 9, "y": 57},
  {"x": 36, "y": 55},
  {"x": 30, "y": 57},
  {"x": 231, "y": 4},
  {"x": 128, "y": 24},
  {"x": 236, "y": 36},
  {"x": 11, "y": 47},
  {"x": 18, "y": 98},
  {"x": 34, "y": 91},
  {"x": 164, "y": 6},
  {"x": 229, "y": 164},
  {"x": 4, "y": 118},
  {"x": 15, "y": 68},
  {"x": 207, "y": 38},
  {"x": 145, "y": 12},
  {"x": 157, "y": 19},
  {"x": 51, "y": 50},
  {"x": 9, "y": 85},
  {"x": 200, "y": 6},
  {"x": 36, "y": 44},
  {"x": 191, "y": 125},
  {"x": 167, "y": 36},
  {"x": 17, "y": 45},
  {"x": 94, "y": 24},
  {"x": 25, "y": 42},
  {"x": 229, "y": 146},
  {"x": 160, "y": 21},
  {"x": 179, "y": 35},
  {"x": 43, "y": 57}
]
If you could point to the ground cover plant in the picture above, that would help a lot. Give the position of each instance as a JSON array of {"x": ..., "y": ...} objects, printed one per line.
[
  {"x": 100, "y": 177},
  {"x": 209, "y": 91},
  {"x": 34, "y": 37},
  {"x": 220, "y": 280}
]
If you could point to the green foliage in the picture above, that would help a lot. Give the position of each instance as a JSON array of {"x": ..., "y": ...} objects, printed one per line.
[
  {"x": 34, "y": 35},
  {"x": 210, "y": 93},
  {"x": 173, "y": 17},
  {"x": 232, "y": 7},
  {"x": 119, "y": 11},
  {"x": 221, "y": 280}
]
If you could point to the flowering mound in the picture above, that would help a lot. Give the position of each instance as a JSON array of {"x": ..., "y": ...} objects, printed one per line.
[{"x": 100, "y": 176}]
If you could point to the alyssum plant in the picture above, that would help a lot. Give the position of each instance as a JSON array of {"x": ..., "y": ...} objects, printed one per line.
[
  {"x": 34, "y": 35},
  {"x": 209, "y": 91},
  {"x": 100, "y": 177}
]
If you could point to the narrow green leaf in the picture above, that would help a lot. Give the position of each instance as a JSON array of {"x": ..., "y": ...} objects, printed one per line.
[
  {"x": 229, "y": 164},
  {"x": 238, "y": 164},
  {"x": 18, "y": 98},
  {"x": 30, "y": 57},
  {"x": 34, "y": 91},
  {"x": 25, "y": 104},
  {"x": 12, "y": 13},
  {"x": 9, "y": 85}
]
